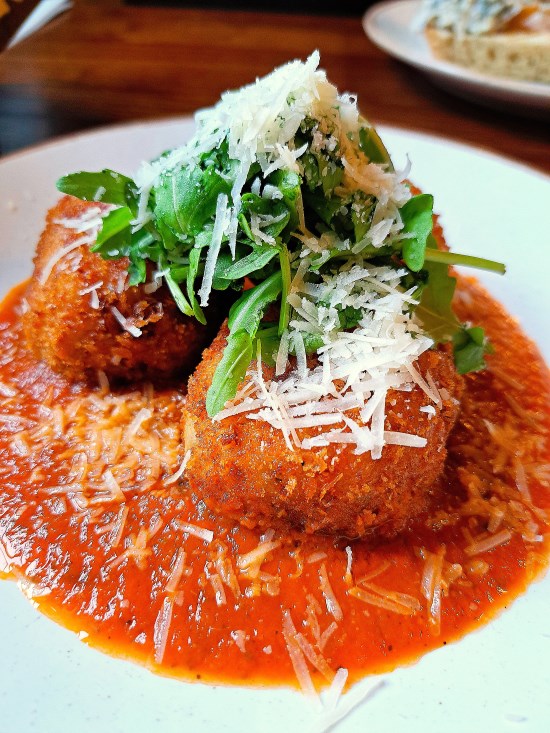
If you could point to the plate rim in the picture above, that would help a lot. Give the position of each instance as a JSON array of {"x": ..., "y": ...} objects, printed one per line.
[{"x": 67, "y": 137}]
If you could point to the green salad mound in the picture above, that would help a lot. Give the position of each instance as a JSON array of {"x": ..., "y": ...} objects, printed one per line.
[{"x": 286, "y": 187}]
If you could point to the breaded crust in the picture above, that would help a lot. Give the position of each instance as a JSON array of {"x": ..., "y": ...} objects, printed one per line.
[
  {"x": 64, "y": 329},
  {"x": 243, "y": 468}
]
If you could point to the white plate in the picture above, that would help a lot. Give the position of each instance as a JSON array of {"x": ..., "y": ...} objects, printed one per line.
[
  {"x": 489, "y": 681},
  {"x": 395, "y": 28}
]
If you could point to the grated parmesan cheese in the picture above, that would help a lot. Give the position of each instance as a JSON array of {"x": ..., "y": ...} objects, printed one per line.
[
  {"x": 349, "y": 576},
  {"x": 334, "y": 692},
  {"x": 181, "y": 470},
  {"x": 250, "y": 563},
  {"x": 374, "y": 595},
  {"x": 331, "y": 601},
  {"x": 125, "y": 323},
  {"x": 355, "y": 371},
  {"x": 204, "y": 534},
  {"x": 356, "y": 368},
  {"x": 361, "y": 693},
  {"x": 61, "y": 253},
  {"x": 298, "y": 660},
  {"x": 484, "y": 544},
  {"x": 177, "y": 571},
  {"x": 162, "y": 628},
  {"x": 240, "y": 638},
  {"x": 220, "y": 224}
]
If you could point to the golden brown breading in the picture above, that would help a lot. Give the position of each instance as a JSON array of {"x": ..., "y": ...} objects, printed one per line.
[
  {"x": 64, "y": 329},
  {"x": 243, "y": 468}
]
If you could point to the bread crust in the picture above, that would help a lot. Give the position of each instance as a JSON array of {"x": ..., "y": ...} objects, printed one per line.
[{"x": 524, "y": 56}]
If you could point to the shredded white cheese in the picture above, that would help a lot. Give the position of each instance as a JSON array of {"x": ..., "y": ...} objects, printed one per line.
[
  {"x": 126, "y": 325},
  {"x": 220, "y": 223},
  {"x": 355, "y": 369},
  {"x": 204, "y": 534},
  {"x": 343, "y": 393}
]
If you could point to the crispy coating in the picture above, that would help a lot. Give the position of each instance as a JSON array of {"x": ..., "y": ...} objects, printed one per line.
[
  {"x": 243, "y": 468},
  {"x": 77, "y": 333}
]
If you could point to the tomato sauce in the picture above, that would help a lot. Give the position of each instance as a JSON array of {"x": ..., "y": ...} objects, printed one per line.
[{"x": 101, "y": 531}]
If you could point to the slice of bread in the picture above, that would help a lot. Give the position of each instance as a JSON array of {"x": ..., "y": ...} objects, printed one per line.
[{"x": 514, "y": 55}]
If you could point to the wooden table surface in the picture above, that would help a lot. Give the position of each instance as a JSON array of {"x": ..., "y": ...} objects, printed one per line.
[{"x": 105, "y": 62}]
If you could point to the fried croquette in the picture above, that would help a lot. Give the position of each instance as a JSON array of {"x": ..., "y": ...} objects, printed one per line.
[
  {"x": 82, "y": 317},
  {"x": 244, "y": 469}
]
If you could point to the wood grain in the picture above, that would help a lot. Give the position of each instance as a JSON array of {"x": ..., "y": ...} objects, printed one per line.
[{"x": 106, "y": 61}]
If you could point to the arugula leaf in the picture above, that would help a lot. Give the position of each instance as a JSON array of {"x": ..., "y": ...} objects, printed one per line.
[
  {"x": 257, "y": 259},
  {"x": 245, "y": 226},
  {"x": 146, "y": 244},
  {"x": 325, "y": 208},
  {"x": 284, "y": 316},
  {"x": 194, "y": 259},
  {"x": 267, "y": 341},
  {"x": 247, "y": 312},
  {"x": 107, "y": 186},
  {"x": 373, "y": 147},
  {"x": 289, "y": 184},
  {"x": 176, "y": 196},
  {"x": 117, "y": 222},
  {"x": 349, "y": 316},
  {"x": 454, "y": 258},
  {"x": 362, "y": 214},
  {"x": 440, "y": 323},
  {"x": 312, "y": 342},
  {"x": 230, "y": 371},
  {"x": 311, "y": 171},
  {"x": 137, "y": 270},
  {"x": 177, "y": 294},
  {"x": 219, "y": 282},
  {"x": 434, "y": 310},
  {"x": 470, "y": 346},
  {"x": 117, "y": 246},
  {"x": 244, "y": 320},
  {"x": 417, "y": 217},
  {"x": 185, "y": 198},
  {"x": 331, "y": 175},
  {"x": 252, "y": 203}
]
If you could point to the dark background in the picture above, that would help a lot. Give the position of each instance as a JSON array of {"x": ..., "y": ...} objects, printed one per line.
[{"x": 349, "y": 7}]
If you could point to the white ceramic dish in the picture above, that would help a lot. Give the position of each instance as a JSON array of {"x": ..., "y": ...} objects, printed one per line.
[
  {"x": 395, "y": 28},
  {"x": 491, "y": 680}
]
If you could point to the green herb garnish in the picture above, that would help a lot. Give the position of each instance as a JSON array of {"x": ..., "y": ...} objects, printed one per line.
[{"x": 315, "y": 218}]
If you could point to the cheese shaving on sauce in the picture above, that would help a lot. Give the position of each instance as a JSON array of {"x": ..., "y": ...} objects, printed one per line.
[{"x": 347, "y": 704}]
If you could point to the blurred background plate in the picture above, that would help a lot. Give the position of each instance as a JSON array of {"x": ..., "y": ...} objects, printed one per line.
[{"x": 394, "y": 27}]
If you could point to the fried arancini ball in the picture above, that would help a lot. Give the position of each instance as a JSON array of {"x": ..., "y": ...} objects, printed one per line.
[
  {"x": 72, "y": 323},
  {"x": 243, "y": 468}
]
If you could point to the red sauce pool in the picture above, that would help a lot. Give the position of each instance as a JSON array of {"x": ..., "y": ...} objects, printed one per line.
[{"x": 92, "y": 515}]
